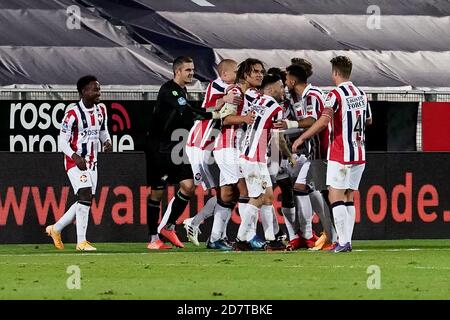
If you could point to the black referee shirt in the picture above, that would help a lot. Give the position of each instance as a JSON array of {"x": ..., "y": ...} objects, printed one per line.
[{"x": 170, "y": 113}]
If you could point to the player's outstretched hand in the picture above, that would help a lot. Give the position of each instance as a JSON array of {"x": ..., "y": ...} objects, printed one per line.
[
  {"x": 249, "y": 118},
  {"x": 107, "y": 146},
  {"x": 297, "y": 143},
  {"x": 79, "y": 161}
]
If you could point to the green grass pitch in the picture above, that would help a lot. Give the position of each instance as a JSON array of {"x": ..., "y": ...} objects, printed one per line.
[{"x": 408, "y": 269}]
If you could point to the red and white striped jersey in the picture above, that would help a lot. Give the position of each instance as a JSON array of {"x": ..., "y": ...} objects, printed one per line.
[
  {"x": 257, "y": 137},
  {"x": 83, "y": 131},
  {"x": 350, "y": 106},
  {"x": 311, "y": 104},
  {"x": 201, "y": 134},
  {"x": 231, "y": 134}
]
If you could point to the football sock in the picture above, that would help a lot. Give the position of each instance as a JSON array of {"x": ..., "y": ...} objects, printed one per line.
[
  {"x": 206, "y": 212},
  {"x": 305, "y": 212},
  {"x": 153, "y": 209},
  {"x": 82, "y": 218},
  {"x": 340, "y": 221},
  {"x": 66, "y": 219},
  {"x": 350, "y": 219}
]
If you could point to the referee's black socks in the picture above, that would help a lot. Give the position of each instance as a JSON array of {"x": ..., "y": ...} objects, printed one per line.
[
  {"x": 178, "y": 206},
  {"x": 153, "y": 208}
]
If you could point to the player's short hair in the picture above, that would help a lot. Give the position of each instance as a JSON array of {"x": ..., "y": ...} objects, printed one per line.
[
  {"x": 343, "y": 65},
  {"x": 225, "y": 63},
  {"x": 305, "y": 64},
  {"x": 178, "y": 62},
  {"x": 269, "y": 79},
  {"x": 278, "y": 71},
  {"x": 84, "y": 81},
  {"x": 297, "y": 72},
  {"x": 246, "y": 67}
]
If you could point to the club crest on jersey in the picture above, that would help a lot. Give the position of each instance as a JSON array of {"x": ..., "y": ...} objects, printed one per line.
[
  {"x": 83, "y": 178},
  {"x": 181, "y": 101}
]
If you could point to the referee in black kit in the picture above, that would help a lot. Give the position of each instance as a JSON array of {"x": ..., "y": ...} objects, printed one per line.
[{"x": 172, "y": 112}]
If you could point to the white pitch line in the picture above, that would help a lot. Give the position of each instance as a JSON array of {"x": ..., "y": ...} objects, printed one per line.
[{"x": 432, "y": 268}]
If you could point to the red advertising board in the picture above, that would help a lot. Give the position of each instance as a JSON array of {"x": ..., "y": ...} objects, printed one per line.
[{"x": 435, "y": 126}]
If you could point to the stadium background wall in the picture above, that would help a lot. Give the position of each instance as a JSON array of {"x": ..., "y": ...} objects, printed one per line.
[
  {"x": 403, "y": 195},
  {"x": 33, "y": 125}
]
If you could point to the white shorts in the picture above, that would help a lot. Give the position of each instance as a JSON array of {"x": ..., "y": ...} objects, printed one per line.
[
  {"x": 303, "y": 170},
  {"x": 257, "y": 177},
  {"x": 344, "y": 176},
  {"x": 228, "y": 161},
  {"x": 205, "y": 170},
  {"x": 82, "y": 179}
]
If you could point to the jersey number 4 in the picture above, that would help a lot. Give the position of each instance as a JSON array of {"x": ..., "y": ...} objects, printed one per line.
[{"x": 358, "y": 125}]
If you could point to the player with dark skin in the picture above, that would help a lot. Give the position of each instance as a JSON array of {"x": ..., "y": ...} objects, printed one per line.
[{"x": 90, "y": 96}]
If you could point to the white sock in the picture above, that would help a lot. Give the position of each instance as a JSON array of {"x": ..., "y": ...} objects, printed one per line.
[
  {"x": 221, "y": 217},
  {"x": 253, "y": 211},
  {"x": 246, "y": 221},
  {"x": 319, "y": 207},
  {"x": 166, "y": 215},
  {"x": 66, "y": 219},
  {"x": 82, "y": 214},
  {"x": 206, "y": 212},
  {"x": 289, "y": 221},
  {"x": 276, "y": 225},
  {"x": 350, "y": 219},
  {"x": 267, "y": 222},
  {"x": 340, "y": 221},
  {"x": 224, "y": 233},
  {"x": 305, "y": 213},
  {"x": 334, "y": 236},
  {"x": 154, "y": 237}
]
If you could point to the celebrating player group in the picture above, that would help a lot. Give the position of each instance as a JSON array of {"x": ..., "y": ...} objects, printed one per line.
[{"x": 256, "y": 130}]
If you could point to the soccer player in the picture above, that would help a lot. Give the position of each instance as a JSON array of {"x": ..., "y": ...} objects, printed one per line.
[
  {"x": 83, "y": 128},
  {"x": 307, "y": 101},
  {"x": 346, "y": 107},
  {"x": 164, "y": 164},
  {"x": 253, "y": 162},
  {"x": 201, "y": 143},
  {"x": 227, "y": 148}
]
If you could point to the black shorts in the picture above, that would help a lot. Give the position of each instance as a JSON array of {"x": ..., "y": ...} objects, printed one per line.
[{"x": 161, "y": 171}]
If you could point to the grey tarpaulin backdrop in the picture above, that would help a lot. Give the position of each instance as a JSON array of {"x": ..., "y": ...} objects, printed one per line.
[
  {"x": 409, "y": 46},
  {"x": 37, "y": 47}
]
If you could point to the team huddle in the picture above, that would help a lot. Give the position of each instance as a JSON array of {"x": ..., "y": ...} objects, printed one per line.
[{"x": 255, "y": 131}]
